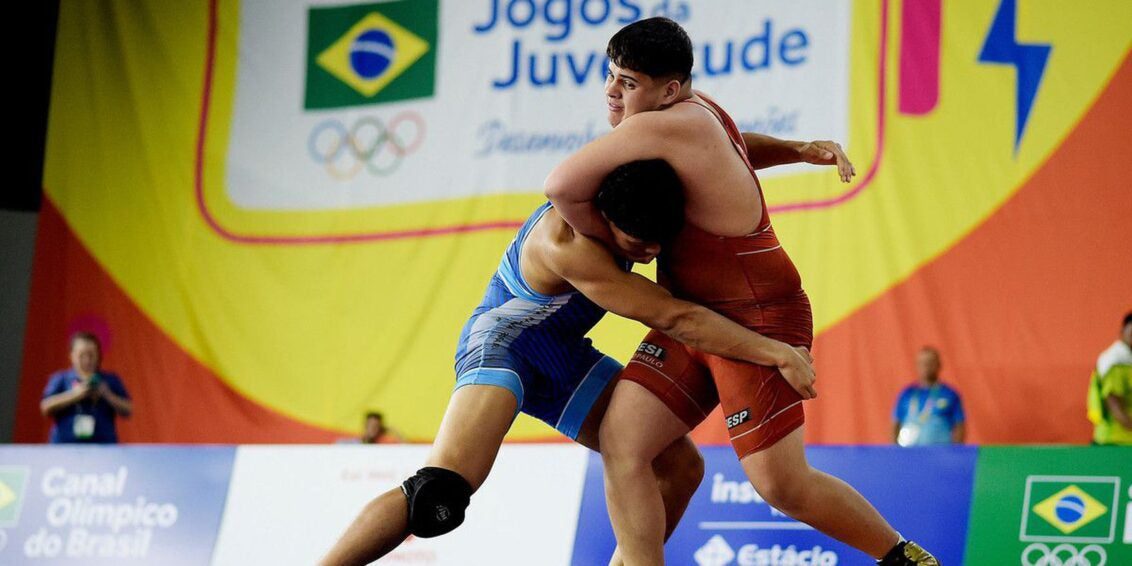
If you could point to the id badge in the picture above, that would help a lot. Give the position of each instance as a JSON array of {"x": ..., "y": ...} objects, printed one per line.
[
  {"x": 83, "y": 426},
  {"x": 909, "y": 435}
]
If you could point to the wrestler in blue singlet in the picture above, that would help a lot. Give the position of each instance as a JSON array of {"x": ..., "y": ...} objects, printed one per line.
[{"x": 534, "y": 345}]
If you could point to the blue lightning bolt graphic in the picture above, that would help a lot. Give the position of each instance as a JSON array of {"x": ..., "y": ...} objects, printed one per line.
[{"x": 1002, "y": 47}]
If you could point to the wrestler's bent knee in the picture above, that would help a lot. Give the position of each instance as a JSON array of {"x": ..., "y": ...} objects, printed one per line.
[
  {"x": 787, "y": 494},
  {"x": 681, "y": 463},
  {"x": 437, "y": 501}
]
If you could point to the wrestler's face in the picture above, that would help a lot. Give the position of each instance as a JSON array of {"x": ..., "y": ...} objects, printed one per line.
[
  {"x": 632, "y": 248},
  {"x": 1126, "y": 335},
  {"x": 629, "y": 92}
]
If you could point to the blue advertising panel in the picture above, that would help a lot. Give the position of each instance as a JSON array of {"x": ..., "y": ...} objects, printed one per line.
[
  {"x": 103, "y": 505},
  {"x": 924, "y": 492}
]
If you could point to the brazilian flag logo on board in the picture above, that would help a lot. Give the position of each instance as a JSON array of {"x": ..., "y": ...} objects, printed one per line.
[
  {"x": 12, "y": 480},
  {"x": 370, "y": 53},
  {"x": 1070, "y": 509}
]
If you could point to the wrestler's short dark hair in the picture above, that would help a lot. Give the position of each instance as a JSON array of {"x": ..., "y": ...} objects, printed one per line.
[
  {"x": 1127, "y": 320},
  {"x": 657, "y": 47},
  {"x": 644, "y": 199}
]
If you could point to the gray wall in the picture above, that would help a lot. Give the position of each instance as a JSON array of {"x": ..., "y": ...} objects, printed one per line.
[{"x": 17, "y": 245}]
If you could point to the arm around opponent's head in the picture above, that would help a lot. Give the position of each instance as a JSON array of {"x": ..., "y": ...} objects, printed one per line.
[
  {"x": 573, "y": 185},
  {"x": 642, "y": 204}
]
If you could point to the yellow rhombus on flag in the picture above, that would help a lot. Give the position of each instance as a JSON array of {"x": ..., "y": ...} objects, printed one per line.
[{"x": 6, "y": 495}]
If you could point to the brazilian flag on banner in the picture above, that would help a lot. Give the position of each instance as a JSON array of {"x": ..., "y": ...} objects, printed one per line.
[
  {"x": 1077, "y": 506},
  {"x": 12, "y": 480},
  {"x": 370, "y": 53},
  {"x": 1052, "y": 505}
]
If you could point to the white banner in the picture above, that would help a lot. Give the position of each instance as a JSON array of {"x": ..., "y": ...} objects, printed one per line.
[
  {"x": 517, "y": 86},
  {"x": 288, "y": 505}
]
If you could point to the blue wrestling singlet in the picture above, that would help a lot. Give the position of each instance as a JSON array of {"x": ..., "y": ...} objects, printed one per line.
[{"x": 535, "y": 345}]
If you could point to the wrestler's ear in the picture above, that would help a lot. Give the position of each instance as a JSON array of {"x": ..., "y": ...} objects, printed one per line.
[{"x": 671, "y": 91}]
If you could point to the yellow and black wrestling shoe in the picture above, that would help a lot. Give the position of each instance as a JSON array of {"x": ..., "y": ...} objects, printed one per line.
[{"x": 908, "y": 553}]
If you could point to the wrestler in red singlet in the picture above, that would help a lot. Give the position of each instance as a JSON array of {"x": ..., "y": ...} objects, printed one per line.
[{"x": 752, "y": 281}]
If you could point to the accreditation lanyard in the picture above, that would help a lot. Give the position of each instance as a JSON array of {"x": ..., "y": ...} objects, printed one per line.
[
  {"x": 922, "y": 413},
  {"x": 83, "y": 424}
]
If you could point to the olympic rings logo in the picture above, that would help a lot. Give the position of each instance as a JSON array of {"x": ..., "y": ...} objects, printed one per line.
[
  {"x": 1064, "y": 555},
  {"x": 368, "y": 144}
]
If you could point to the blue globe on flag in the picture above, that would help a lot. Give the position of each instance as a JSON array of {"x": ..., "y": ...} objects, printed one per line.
[
  {"x": 371, "y": 53},
  {"x": 1070, "y": 509}
]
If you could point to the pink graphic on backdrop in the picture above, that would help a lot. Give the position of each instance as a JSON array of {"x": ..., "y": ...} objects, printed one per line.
[{"x": 919, "y": 56}]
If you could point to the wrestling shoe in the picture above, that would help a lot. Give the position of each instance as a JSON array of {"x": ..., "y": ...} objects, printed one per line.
[{"x": 908, "y": 553}]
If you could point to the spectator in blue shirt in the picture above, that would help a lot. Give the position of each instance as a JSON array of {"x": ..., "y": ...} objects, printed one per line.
[
  {"x": 928, "y": 412},
  {"x": 83, "y": 400}
]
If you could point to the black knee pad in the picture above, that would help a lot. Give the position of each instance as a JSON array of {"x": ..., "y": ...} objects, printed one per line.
[{"x": 437, "y": 500}]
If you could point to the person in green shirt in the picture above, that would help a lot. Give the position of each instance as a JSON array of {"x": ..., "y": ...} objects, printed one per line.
[{"x": 1110, "y": 391}]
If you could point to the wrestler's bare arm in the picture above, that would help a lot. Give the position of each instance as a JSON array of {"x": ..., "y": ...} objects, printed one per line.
[
  {"x": 766, "y": 151},
  {"x": 575, "y": 182},
  {"x": 590, "y": 268}
]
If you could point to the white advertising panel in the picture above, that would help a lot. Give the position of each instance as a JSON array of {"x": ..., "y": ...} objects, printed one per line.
[{"x": 288, "y": 505}]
